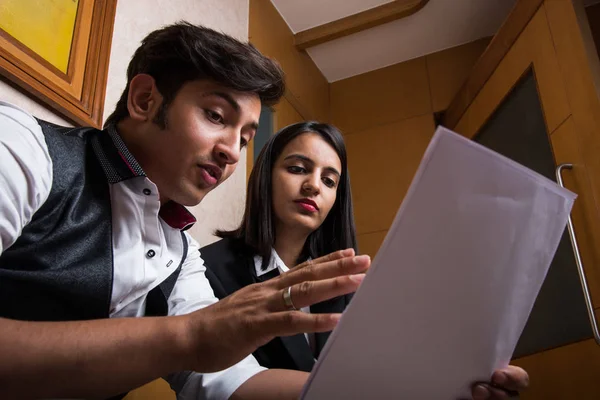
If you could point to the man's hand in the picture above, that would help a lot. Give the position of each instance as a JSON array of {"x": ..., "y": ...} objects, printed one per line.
[
  {"x": 506, "y": 384},
  {"x": 222, "y": 334},
  {"x": 99, "y": 358}
]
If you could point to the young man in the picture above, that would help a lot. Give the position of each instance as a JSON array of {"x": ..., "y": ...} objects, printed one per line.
[{"x": 92, "y": 237}]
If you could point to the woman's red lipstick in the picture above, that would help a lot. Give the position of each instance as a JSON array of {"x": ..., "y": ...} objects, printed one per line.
[{"x": 307, "y": 204}]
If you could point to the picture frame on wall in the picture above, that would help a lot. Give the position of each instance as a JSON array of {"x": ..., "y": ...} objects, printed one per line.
[{"x": 58, "y": 51}]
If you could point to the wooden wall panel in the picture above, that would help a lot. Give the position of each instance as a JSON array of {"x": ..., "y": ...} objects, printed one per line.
[
  {"x": 387, "y": 118},
  {"x": 563, "y": 373},
  {"x": 581, "y": 84},
  {"x": 449, "y": 69},
  {"x": 381, "y": 97},
  {"x": 306, "y": 84},
  {"x": 369, "y": 243},
  {"x": 502, "y": 41},
  {"x": 158, "y": 389},
  {"x": 382, "y": 162},
  {"x": 580, "y": 68},
  {"x": 285, "y": 114},
  {"x": 533, "y": 48},
  {"x": 405, "y": 90}
]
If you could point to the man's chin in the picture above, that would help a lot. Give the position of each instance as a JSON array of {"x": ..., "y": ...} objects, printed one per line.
[{"x": 192, "y": 198}]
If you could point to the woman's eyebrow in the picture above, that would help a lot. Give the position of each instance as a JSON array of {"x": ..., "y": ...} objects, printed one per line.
[{"x": 311, "y": 162}]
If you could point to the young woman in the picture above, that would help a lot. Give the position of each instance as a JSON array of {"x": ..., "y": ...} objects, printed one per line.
[{"x": 298, "y": 207}]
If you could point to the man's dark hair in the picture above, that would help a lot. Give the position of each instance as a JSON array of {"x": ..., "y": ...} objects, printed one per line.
[
  {"x": 183, "y": 52},
  {"x": 257, "y": 229}
]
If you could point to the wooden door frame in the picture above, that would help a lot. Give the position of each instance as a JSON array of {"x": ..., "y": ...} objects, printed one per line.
[{"x": 550, "y": 38}]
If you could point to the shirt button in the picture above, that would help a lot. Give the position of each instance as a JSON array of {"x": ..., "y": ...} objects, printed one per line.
[
  {"x": 150, "y": 253},
  {"x": 147, "y": 192}
]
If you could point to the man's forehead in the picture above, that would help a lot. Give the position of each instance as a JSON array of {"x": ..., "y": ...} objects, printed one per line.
[{"x": 207, "y": 86}]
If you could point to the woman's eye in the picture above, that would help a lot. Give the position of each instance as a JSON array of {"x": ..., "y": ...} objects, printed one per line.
[
  {"x": 243, "y": 143},
  {"x": 214, "y": 116},
  {"x": 294, "y": 169},
  {"x": 329, "y": 182}
]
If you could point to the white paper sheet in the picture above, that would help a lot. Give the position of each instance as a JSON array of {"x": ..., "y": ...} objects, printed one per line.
[{"x": 453, "y": 284}]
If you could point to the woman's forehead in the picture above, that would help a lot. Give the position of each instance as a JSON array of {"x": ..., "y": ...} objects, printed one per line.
[{"x": 311, "y": 145}]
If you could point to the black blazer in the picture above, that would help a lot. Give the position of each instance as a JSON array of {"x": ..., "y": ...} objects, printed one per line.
[{"x": 230, "y": 267}]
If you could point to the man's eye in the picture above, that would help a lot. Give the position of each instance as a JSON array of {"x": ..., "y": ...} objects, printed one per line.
[
  {"x": 214, "y": 116},
  {"x": 243, "y": 143}
]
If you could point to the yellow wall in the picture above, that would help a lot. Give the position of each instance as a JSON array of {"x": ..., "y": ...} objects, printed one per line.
[{"x": 387, "y": 117}]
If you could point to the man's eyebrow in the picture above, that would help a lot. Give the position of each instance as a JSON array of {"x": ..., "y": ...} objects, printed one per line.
[
  {"x": 225, "y": 96},
  {"x": 234, "y": 104}
]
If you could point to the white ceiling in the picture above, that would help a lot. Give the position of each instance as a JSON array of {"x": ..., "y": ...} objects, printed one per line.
[
  {"x": 301, "y": 15},
  {"x": 439, "y": 25}
]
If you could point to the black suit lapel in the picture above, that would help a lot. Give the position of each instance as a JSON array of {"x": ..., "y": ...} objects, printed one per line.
[
  {"x": 335, "y": 305},
  {"x": 247, "y": 276},
  {"x": 320, "y": 340},
  {"x": 298, "y": 348},
  {"x": 264, "y": 277}
]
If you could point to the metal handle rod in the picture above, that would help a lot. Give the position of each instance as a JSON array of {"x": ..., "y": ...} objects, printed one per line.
[{"x": 582, "y": 280}]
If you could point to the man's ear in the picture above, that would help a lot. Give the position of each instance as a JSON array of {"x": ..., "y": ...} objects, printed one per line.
[{"x": 143, "y": 99}]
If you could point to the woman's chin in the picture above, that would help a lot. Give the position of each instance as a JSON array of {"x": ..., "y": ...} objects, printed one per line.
[{"x": 305, "y": 223}]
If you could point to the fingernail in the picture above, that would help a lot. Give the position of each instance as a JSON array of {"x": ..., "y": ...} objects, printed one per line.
[
  {"x": 336, "y": 318},
  {"x": 480, "y": 393},
  {"x": 348, "y": 252},
  {"x": 358, "y": 277},
  {"x": 361, "y": 259}
]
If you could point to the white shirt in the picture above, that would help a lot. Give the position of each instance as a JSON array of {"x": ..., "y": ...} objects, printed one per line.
[
  {"x": 275, "y": 262},
  {"x": 137, "y": 228}
]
